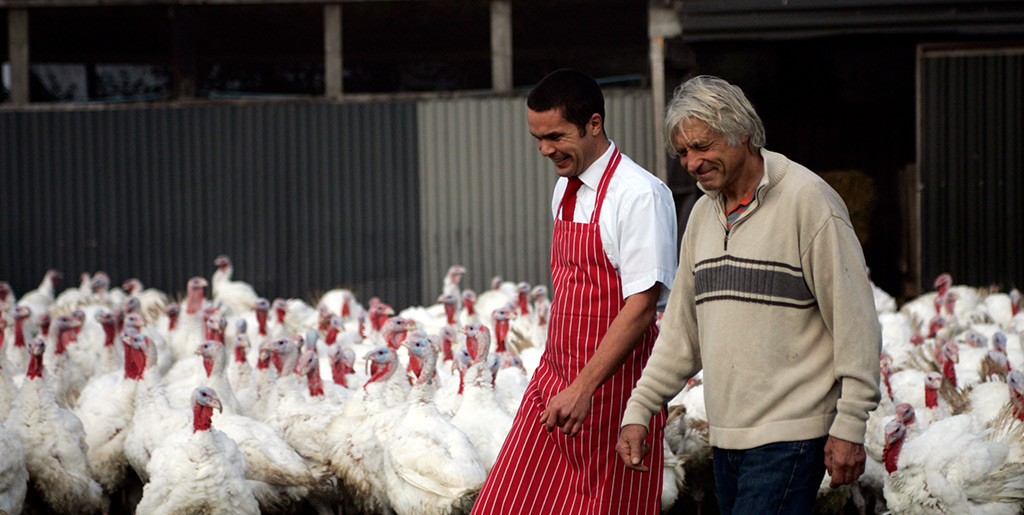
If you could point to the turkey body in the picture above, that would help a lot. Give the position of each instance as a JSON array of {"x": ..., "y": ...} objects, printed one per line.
[
  {"x": 13, "y": 473},
  {"x": 198, "y": 470},
  {"x": 54, "y": 443}
]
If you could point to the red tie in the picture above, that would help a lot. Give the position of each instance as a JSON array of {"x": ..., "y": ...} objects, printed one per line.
[{"x": 569, "y": 199}]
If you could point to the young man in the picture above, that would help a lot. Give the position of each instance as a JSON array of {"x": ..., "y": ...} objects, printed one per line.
[
  {"x": 612, "y": 259},
  {"x": 773, "y": 301}
]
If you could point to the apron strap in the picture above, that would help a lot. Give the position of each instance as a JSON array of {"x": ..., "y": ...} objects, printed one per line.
[{"x": 602, "y": 188}]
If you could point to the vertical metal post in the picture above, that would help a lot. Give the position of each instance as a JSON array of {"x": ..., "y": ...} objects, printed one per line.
[
  {"x": 657, "y": 52},
  {"x": 501, "y": 45},
  {"x": 17, "y": 48},
  {"x": 333, "y": 77},
  {"x": 662, "y": 22}
]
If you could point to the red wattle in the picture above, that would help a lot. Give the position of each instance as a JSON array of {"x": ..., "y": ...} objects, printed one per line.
[
  {"x": 949, "y": 372},
  {"x": 35, "y": 367},
  {"x": 201, "y": 416}
]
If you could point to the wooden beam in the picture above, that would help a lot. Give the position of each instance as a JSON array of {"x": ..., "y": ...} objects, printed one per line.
[
  {"x": 333, "y": 76},
  {"x": 183, "y": 51},
  {"x": 662, "y": 22},
  {"x": 17, "y": 49},
  {"x": 501, "y": 45}
]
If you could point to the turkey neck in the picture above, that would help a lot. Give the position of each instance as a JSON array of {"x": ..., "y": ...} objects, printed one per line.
[
  {"x": 316, "y": 385},
  {"x": 35, "y": 367},
  {"x": 524, "y": 304},
  {"x": 19, "y": 332},
  {"x": 64, "y": 336},
  {"x": 261, "y": 322},
  {"x": 380, "y": 372},
  {"x": 239, "y": 354},
  {"x": 949, "y": 371},
  {"x": 931, "y": 398},
  {"x": 201, "y": 416},
  {"x": 195, "y": 300},
  {"x": 500, "y": 333},
  {"x": 338, "y": 371},
  {"x": 891, "y": 454}
]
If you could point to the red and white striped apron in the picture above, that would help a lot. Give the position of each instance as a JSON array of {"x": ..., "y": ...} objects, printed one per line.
[{"x": 550, "y": 473}]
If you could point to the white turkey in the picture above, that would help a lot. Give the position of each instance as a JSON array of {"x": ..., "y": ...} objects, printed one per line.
[
  {"x": 106, "y": 408},
  {"x": 198, "y": 469},
  {"x": 430, "y": 466},
  {"x": 190, "y": 328},
  {"x": 54, "y": 443},
  {"x": 152, "y": 302},
  {"x": 279, "y": 477},
  {"x": 7, "y": 298},
  {"x": 356, "y": 452},
  {"x": 240, "y": 296},
  {"x": 17, "y": 352},
  {"x": 64, "y": 375},
  {"x": 952, "y": 468},
  {"x": 7, "y": 389},
  {"x": 13, "y": 473},
  {"x": 39, "y": 300},
  {"x": 480, "y": 415},
  {"x": 239, "y": 371},
  {"x": 342, "y": 302},
  {"x": 451, "y": 281}
]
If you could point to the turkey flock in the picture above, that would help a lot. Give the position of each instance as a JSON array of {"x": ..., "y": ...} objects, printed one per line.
[{"x": 124, "y": 400}]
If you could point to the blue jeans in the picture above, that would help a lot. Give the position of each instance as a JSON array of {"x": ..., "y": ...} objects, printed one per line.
[{"x": 781, "y": 477}]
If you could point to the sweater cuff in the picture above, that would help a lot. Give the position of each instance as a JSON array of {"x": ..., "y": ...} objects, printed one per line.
[
  {"x": 636, "y": 413},
  {"x": 848, "y": 427}
]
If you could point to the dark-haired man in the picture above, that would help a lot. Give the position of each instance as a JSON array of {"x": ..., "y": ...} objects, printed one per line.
[{"x": 612, "y": 261}]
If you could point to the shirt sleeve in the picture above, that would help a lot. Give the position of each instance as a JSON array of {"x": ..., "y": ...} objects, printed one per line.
[
  {"x": 676, "y": 355},
  {"x": 835, "y": 272},
  {"x": 647, "y": 242}
]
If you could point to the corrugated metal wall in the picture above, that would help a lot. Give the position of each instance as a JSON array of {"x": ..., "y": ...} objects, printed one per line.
[
  {"x": 972, "y": 199},
  {"x": 486, "y": 190},
  {"x": 377, "y": 197},
  {"x": 303, "y": 197}
]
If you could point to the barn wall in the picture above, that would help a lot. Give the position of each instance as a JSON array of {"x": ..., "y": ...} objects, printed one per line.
[
  {"x": 971, "y": 123},
  {"x": 303, "y": 197}
]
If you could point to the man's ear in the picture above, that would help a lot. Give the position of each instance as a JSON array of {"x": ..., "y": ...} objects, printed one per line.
[{"x": 595, "y": 126}]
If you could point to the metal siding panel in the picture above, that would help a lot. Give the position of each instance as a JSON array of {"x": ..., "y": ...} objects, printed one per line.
[
  {"x": 486, "y": 190},
  {"x": 157, "y": 193},
  {"x": 971, "y": 126}
]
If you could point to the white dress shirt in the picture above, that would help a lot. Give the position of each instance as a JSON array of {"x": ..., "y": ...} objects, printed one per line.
[{"x": 637, "y": 224}]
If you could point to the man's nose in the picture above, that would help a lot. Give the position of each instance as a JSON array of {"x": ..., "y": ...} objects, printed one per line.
[{"x": 546, "y": 148}]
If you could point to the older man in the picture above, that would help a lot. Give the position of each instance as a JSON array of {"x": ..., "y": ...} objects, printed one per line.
[{"x": 773, "y": 302}]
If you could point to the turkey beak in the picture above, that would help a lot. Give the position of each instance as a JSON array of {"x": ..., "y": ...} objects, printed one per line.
[{"x": 215, "y": 403}]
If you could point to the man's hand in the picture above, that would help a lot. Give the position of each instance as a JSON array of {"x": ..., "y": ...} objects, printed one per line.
[
  {"x": 632, "y": 447},
  {"x": 567, "y": 410},
  {"x": 844, "y": 460}
]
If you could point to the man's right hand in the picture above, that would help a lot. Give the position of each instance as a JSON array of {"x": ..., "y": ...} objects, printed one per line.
[{"x": 632, "y": 447}]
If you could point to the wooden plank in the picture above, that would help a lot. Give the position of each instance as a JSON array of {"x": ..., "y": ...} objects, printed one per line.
[
  {"x": 501, "y": 45},
  {"x": 17, "y": 29},
  {"x": 333, "y": 83}
]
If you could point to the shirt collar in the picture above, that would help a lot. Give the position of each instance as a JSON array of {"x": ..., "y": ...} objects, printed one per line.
[{"x": 591, "y": 177}]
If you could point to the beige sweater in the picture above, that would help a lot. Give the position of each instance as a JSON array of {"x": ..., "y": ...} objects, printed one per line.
[{"x": 779, "y": 314}]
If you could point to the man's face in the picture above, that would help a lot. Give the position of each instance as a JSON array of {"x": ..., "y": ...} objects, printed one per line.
[
  {"x": 706, "y": 156},
  {"x": 560, "y": 141}
]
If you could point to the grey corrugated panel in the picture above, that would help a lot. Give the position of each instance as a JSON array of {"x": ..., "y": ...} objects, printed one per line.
[
  {"x": 486, "y": 190},
  {"x": 304, "y": 197},
  {"x": 971, "y": 128}
]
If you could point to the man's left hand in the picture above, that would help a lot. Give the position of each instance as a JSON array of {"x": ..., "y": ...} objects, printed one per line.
[
  {"x": 567, "y": 411},
  {"x": 844, "y": 460}
]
